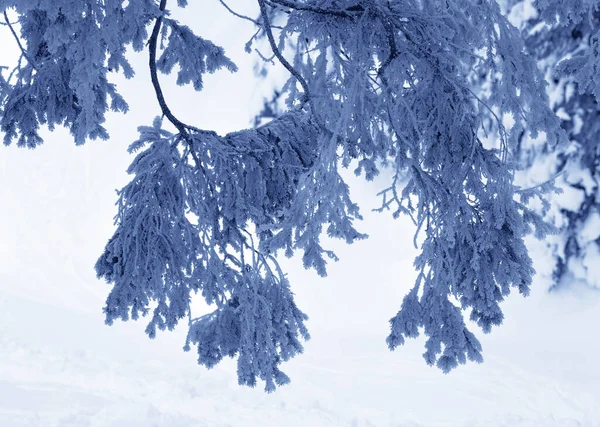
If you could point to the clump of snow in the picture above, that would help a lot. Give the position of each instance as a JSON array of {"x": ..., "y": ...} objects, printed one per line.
[
  {"x": 590, "y": 230},
  {"x": 579, "y": 176},
  {"x": 570, "y": 199},
  {"x": 591, "y": 264}
]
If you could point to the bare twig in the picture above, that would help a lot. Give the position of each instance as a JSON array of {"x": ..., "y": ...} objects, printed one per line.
[{"x": 234, "y": 13}]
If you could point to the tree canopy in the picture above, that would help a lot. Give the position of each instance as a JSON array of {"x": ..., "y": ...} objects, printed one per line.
[{"x": 440, "y": 92}]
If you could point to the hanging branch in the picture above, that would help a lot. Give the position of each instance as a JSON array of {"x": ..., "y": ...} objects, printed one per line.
[
  {"x": 152, "y": 45},
  {"x": 181, "y": 127}
]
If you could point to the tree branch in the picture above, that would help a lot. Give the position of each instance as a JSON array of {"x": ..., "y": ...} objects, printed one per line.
[
  {"x": 280, "y": 57},
  {"x": 234, "y": 13},
  {"x": 520, "y": 190},
  {"x": 347, "y": 13},
  {"x": 181, "y": 127},
  {"x": 23, "y": 51},
  {"x": 389, "y": 30},
  {"x": 152, "y": 44}
]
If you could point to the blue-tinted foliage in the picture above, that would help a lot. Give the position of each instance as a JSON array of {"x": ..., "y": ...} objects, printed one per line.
[
  {"x": 564, "y": 37},
  {"x": 185, "y": 228},
  {"x": 69, "y": 47},
  {"x": 207, "y": 56},
  {"x": 380, "y": 84}
]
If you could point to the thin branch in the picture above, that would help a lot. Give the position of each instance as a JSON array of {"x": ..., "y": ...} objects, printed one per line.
[
  {"x": 12, "y": 30},
  {"x": 307, "y": 94},
  {"x": 234, "y": 13},
  {"x": 7, "y": 23},
  {"x": 152, "y": 45},
  {"x": 181, "y": 127},
  {"x": 389, "y": 29},
  {"x": 520, "y": 190},
  {"x": 284, "y": 62},
  {"x": 336, "y": 12},
  {"x": 263, "y": 57},
  {"x": 14, "y": 70}
]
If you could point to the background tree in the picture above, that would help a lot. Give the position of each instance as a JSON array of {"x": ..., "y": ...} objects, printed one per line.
[
  {"x": 564, "y": 38},
  {"x": 372, "y": 84}
]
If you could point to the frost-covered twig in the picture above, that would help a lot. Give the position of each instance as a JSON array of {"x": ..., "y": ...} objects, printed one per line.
[
  {"x": 344, "y": 13},
  {"x": 277, "y": 52},
  {"x": 16, "y": 37},
  {"x": 550, "y": 180}
]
